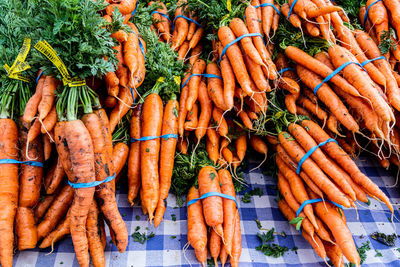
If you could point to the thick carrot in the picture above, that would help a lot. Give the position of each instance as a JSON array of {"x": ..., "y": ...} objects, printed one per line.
[
  {"x": 124, "y": 6},
  {"x": 93, "y": 235},
  {"x": 236, "y": 242},
  {"x": 394, "y": 6},
  {"x": 267, "y": 14},
  {"x": 105, "y": 123},
  {"x": 167, "y": 154},
  {"x": 74, "y": 147},
  {"x": 293, "y": 19},
  {"x": 214, "y": 244},
  {"x": 256, "y": 74},
  {"x": 307, "y": 142},
  {"x": 289, "y": 85},
  {"x": 31, "y": 107},
  {"x": 180, "y": 31},
  {"x": 58, "y": 233},
  {"x": 48, "y": 97},
  {"x": 138, "y": 76},
  {"x": 194, "y": 83},
  {"x": 290, "y": 102},
  {"x": 239, "y": 28},
  {"x": 312, "y": 169},
  {"x": 56, "y": 211},
  {"x": 216, "y": 87},
  {"x": 319, "y": 68},
  {"x": 122, "y": 107},
  {"x": 329, "y": 98},
  {"x": 112, "y": 83},
  {"x": 183, "y": 49},
  {"x": 229, "y": 207},
  {"x": 226, "y": 36},
  {"x": 8, "y": 189},
  {"x": 336, "y": 153},
  {"x": 197, "y": 231},
  {"x": 334, "y": 253},
  {"x": 212, "y": 206},
  {"x": 182, "y": 106},
  {"x": 205, "y": 113},
  {"x": 311, "y": 29},
  {"x": 50, "y": 121},
  {"x": 119, "y": 157},
  {"x": 258, "y": 145},
  {"x": 54, "y": 177},
  {"x": 192, "y": 118},
  {"x": 134, "y": 155},
  {"x": 43, "y": 205},
  {"x": 130, "y": 52},
  {"x": 152, "y": 115}
]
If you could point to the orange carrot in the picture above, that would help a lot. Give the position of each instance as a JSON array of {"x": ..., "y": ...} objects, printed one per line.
[
  {"x": 48, "y": 97},
  {"x": 214, "y": 244},
  {"x": 216, "y": 87},
  {"x": 59, "y": 232},
  {"x": 194, "y": 83},
  {"x": 31, "y": 107},
  {"x": 222, "y": 126},
  {"x": 236, "y": 243},
  {"x": 197, "y": 231},
  {"x": 54, "y": 177},
  {"x": 93, "y": 234},
  {"x": 50, "y": 121},
  {"x": 192, "y": 118},
  {"x": 206, "y": 111},
  {"x": 134, "y": 155}
]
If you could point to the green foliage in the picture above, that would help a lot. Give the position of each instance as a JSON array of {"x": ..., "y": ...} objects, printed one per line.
[
  {"x": 271, "y": 250},
  {"x": 141, "y": 237},
  {"x": 387, "y": 43},
  {"x": 351, "y": 8},
  {"x": 388, "y": 240},
  {"x": 254, "y": 192}
]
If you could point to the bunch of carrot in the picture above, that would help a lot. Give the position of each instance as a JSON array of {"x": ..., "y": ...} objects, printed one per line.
[{"x": 219, "y": 215}]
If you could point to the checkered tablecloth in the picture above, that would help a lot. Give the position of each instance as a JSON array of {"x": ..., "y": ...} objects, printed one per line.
[{"x": 166, "y": 248}]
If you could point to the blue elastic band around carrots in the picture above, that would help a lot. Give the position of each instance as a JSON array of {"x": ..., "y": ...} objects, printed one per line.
[
  {"x": 28, "y": 162},
  {"x": 291, "y": 8},
  {"x": 286, "y": 69},
  {"x": 204, "y": 75},
  {"x": 211, "y": 194},
  {"x": 141, "y": 46},
  {"x": 91, "y": 184},
  {"x": 133, "y": 96},
  {"x": 187, "y": 18},
  {"x": 309, "y": 152},
  {"x": 38, "y": 77},
  {"x": 269, "y": 4},
  {"x": 147, "y": 138},
  {"x": 134, "y": 11},
  {"x": 330, "y": 76},
  {"x": 311, "y": 201},
  {"x": 235, "y": 41},
  {"x": 162, "y": 14},
  {"x": 367, "y": 10},
  {"x": 370, "y": 60}
]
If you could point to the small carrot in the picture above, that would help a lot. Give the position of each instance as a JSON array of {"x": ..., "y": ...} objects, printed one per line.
[
  {"x": 49, "y": 122},
  {"x": 205, "y": 113},
  {"x": 222, "y": 126},
  {"x": 236, "y": 243},
  {"x": 59, "y": 232},
  {"x": 93, "y": 234},
  {"x": 214, "y": 244},
  {"x": 31, "y": 107},
  {"x": 194, "y": 83},
  {"x": 192, "y": 118},
  {"x": 48, "y": 97},
  {"x": 42, "y": 206},
  {"x": 216, "y": 87},
  {"x": 134, "y": 155},
  {"x": 54, "y": 177},
  {"x": 197, "y": 231}
]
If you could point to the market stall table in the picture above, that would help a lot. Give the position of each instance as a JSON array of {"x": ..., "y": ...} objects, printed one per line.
[{"x": 166, "y": 247}]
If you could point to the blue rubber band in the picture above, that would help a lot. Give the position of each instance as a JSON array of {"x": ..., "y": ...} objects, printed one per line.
[
  {"x": 162, "y": 14},
  {"x": 286, "y": 69},
  {"x": 141, "y": 46},
  {"x": 330, "y": 76},
  {"x": 269, "y": 4},
  {"x": 133, "y": 96},
  {"x": 38, "y": 77},
  {"x": 291, "y": 8},
  {"x": 235, "y": 41},
  {"x": 309, "y": 152},
  {"x": 311, "y": 201},
  {"x": 134, "y": 11},
  {"x": 91, "y": 184},
  {"x": 189, "y": 19},
  {"x": 211, "y": 194},
  {"x": 366, "y": 11},
  {"x": 370, "y": 60},
  {"x": 147, "y": 138},
  {"x": 28, "y": 162},
  {"x": 204, "y": 75}
]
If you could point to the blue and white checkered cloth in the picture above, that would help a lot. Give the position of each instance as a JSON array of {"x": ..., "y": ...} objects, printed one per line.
[{"x": 165, "y": 250}]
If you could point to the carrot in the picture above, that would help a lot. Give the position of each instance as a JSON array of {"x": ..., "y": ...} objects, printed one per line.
[
  {"x": 138, "y": 77},
  {"x": 275, "y": 20},
  {"x": 206, "y": 111},
  {"x": 54, "y": 177},
  {"x": 239, "y": 28},
  {"x": 324, "y": 58},
  {"x": 316, "y": 243},
  {"x": 9, "y": 188},
  {"x": 293, "y": 19},
  {"x": 167, "y": 154},
  {"x": 313, "y": 108},
  {"x": 157, "y": 19},
  {"x": 226, "y": 36},
  {"x": 216, "y": 87},
  {"x": 181, "y": 30},
  {"x": 222, "y": 126},
  {"x": 48, "y": 97},
  {"x": 214, "y": 244},
  {"x": 227, "y": 154},
  {"x": 258, "y": 144},
  {"x": 50, "y": 121},
  {"x": 105, "y": 129},
  {"x": 236, "y": 243},
  {"x": 229, "y": 208},
  {"x": 212, "y": 146},
  {"x": 212, "y": 206},
  {"x": 311, "y": 29},
  {"x": 59, "y": 232},
  {"x": 195, "y": 54},
  {"x": 134, "y": 155},
  {"x": 199, "y": 33},
  {"x": 183, "y": 49},
  {"x": 393, "y": 7},
  {"x": 130, "y": 52},
  {"x": 43, "y": 205},
  {"x": 300, "y": 194},
  {"x": 334, "y": 254},
  {"x": 290, "y": 103},
  {"x": 319, "y": 68},
  {"x": 192, "y": 118},
  {"x": 152, "y": 114},
  {"x": 223, "y": 256},
  {"x": 119, "y": 156},
  {"x": 319, "y": 11},
  {"x": 322, "y": 232},
  {"x": 329, "y": 98},
  {"x": 241, "y": 146},
  {"x": 255, "y": 3},
  {"x": 74, "y": 147},
  {"x": 47, "y": 146},
  {"x": 197, "y": 231},
  {"x": 124, "y": 6},
  {"x": 312, "y": 170},
  {"x": 93, "y": 234},
  {"x": 194, "y": 83},
  {"x": 267, "y": 14},
  {"x": 56, "y": 211},
  {"x": 307, "y": 142},
  {"x": 332, "y": 218},
  {"x": 34, "y": 130},
  {"x": 192, "y": 28},
  {"x": 112, "y": 83},
  {"x": 201, "y": 256},
  {"x": 256, "y": 74},
  {"x": 122, "y": 107},
  {"x": 334, "y": 151},
  {"x": 182, "y": 106},
  {"x": 32, "y": 105},
  {"x": 289, "y": 85}
]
